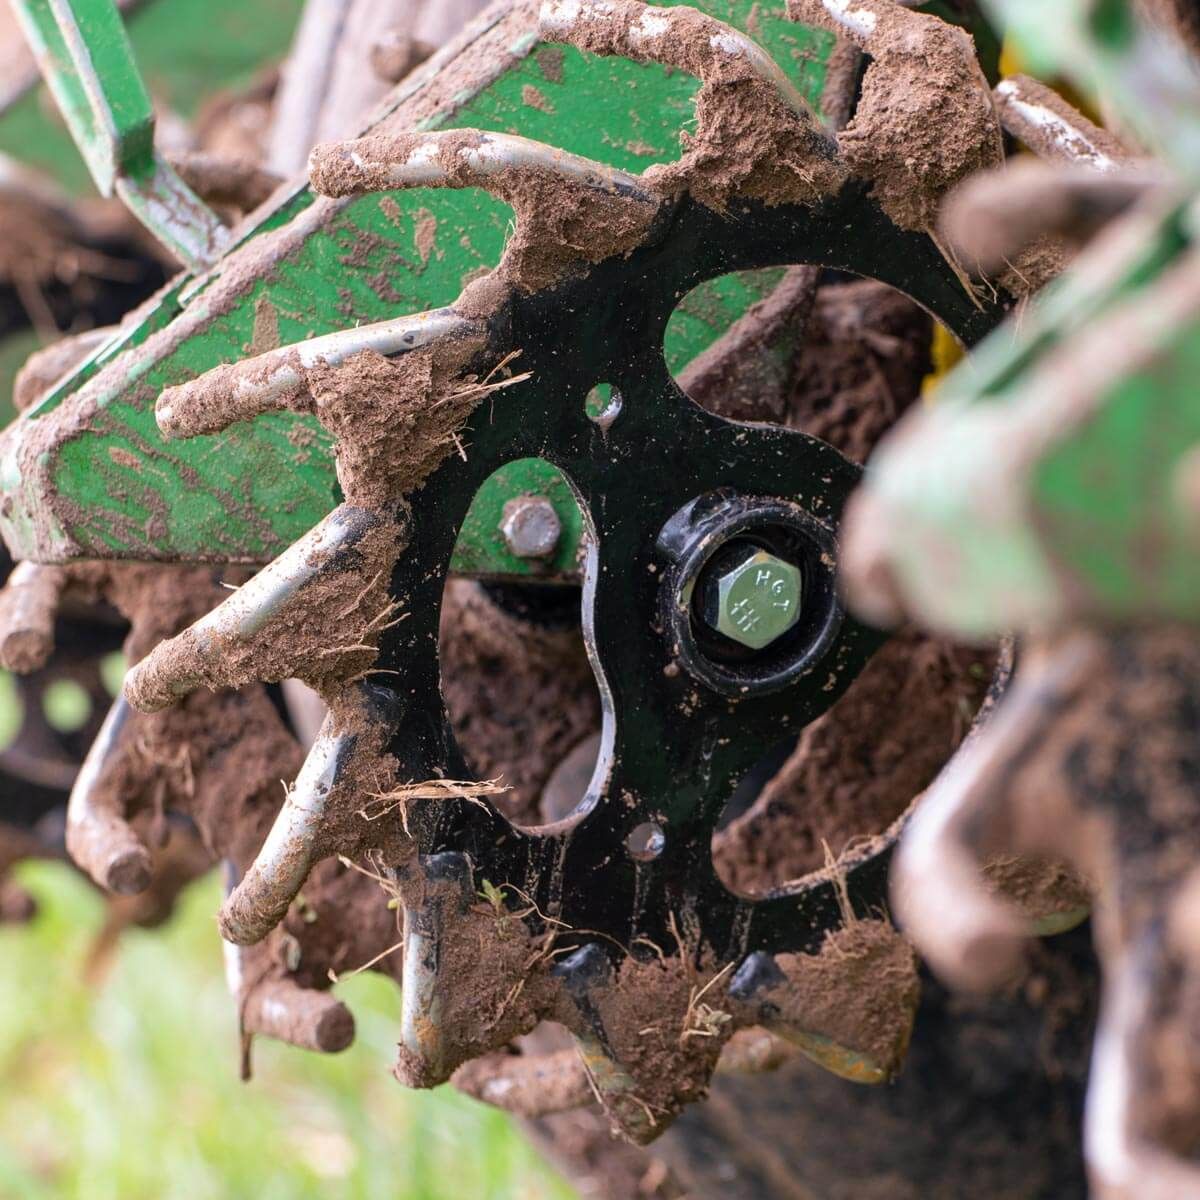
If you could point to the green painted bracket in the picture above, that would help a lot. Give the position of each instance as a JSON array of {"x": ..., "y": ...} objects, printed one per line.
[
  {"x": 87, "y": 62},
  {"x": 85, "y": 473},
  {"x": 188, "y": 51},
  {"x": 1054, "y": 480}
]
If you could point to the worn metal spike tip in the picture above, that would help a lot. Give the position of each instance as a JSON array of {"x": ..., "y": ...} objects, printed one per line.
[
  {"x": 28, "y": 605},
  {"x": 460, "y": 158},
  {"x": 300, "y": 1016},
  {"x": 275, "y": 381},
  {"x": 275, "y": 878},
  {"x": 203, "y": 655},
  {"x": 99, "y": 839}
]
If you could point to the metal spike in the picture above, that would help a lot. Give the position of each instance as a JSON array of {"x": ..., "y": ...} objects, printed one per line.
[
  {"x": 529, "y": 1085},
  {"x": 275, "y": 380},
  {"x": 670, "y": 36},
  {"x": 28, "y": 605},
  {"x": 203, "y": 655},
  {"x": 457, "y": 159},
  {"x": 447, "y": 891},
  {"x": 760, "y": 985},
  {"x": 291, "y": 849},
  {"x": 99, "y": 839},
  {"x": 1040, "y": 118},
  {"x": 581, "y": 974},
  {"x": 300, "y": 1016}
]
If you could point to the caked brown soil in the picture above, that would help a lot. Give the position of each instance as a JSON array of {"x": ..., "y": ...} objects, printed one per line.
[
  {"x": 527, "y": 1084},
  {"x": 492, "y": 986},
  {"x": 227, "y": 183},
  {"x": 661, "y": 1034},
  {"x": 219, "y": 758},
  {"x": 749, "y": 139},
  {"x": 1039, "y": 887},
  {"x": 925, "y": 118},
  {"x": 860, "y": 766},
  {"x": 519, "y": 697},
  {"x": 1052, "y": 142},
  {"x": 860, "y": 991}
]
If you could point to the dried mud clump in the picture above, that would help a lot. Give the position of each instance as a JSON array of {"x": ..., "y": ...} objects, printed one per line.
[
  {"x": 925, "y": 119},
  {"x": 859, "y": 767},
  {"x": 754, "y": 135},
  {"x": 492, "y": 986},
  {"x": 561, "y": 221},
  {"x": 666, "y": 1027},
  {"x": 860, "y": 991},
  {"x": 216, "y": 758},
  {"x": 1046, "y": 891},
  {"x": 340, "y": 922},
  {"x": 519, "y": 697},
  {"x": 395, "y": 419},
  {"x": 324, "y": 635}
]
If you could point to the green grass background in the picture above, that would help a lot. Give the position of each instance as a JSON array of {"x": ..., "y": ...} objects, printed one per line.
[{"x": 128, "y": 1089}]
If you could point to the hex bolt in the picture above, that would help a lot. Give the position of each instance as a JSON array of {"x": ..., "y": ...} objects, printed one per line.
[
  {"x": 751, "y": 597},
  {"x": 531, "y": 527}
]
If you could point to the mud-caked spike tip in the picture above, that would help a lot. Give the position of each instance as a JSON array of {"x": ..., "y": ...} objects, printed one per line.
[
  {"x": 235, "y": 643},
  {"x": 971, "y": 936},
  {"x": 275, "y": 381},
  {"x": 28, "y": 605},
  {"x": 461, "y": 158},
  {"x": 294, "y": 844},
  {"x": 99, "y": 838},
  {"x": 283, "y": 1010}
]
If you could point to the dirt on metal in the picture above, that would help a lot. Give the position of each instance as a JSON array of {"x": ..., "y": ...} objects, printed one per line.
[
  {"x": 860, "y": 766},
  {"x": 749, "y": 139},
  {"x": 925, "y": 119},
  {"x": 519, "y": 697}
]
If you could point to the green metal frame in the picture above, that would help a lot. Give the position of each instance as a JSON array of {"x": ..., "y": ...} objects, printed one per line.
[
  {"x": 116, "y": 489},
  {"x": 87, "y": 62},
  {"x": 107, "y": 485},
  {"x": 187, "y": 51}
]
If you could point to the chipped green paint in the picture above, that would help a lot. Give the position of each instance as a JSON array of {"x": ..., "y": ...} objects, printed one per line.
[{"x": 246, "y": 494}]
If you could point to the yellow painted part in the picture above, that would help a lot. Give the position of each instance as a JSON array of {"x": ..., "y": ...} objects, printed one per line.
[
  {"x": 1012, "y": 63},
  {"x": 1053, "y": 923},
  {"x": 946, "y": 353},
  {"x": 840, "y": 1060}
]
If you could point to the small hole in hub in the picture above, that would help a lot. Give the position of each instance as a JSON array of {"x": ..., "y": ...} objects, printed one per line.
[
  {"x": 603, "y": 405},
  {"x": 646, "y": 841}
]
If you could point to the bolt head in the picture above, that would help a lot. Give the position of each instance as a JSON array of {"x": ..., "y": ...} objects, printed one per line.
[
  {"x": 755, "y": 600},
  {"x": 530, "y": 527}
]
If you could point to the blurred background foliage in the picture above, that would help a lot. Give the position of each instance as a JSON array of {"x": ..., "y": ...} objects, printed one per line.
[{"x": 119, "y": 1080}]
